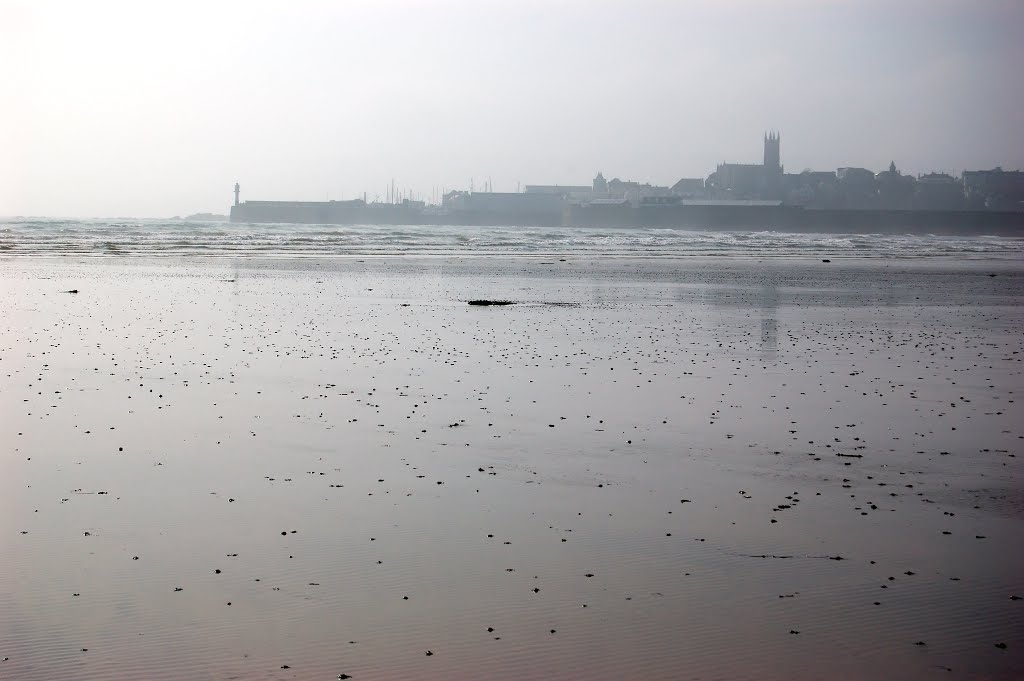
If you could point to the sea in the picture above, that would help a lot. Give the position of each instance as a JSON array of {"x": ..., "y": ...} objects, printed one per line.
[{"x": 153, "y": 238}]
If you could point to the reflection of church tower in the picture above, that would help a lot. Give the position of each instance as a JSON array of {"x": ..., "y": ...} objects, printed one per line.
[{"x": 771, "y": 151}]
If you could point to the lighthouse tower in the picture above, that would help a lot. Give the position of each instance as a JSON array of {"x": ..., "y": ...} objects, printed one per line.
[{"x": 237, "y": 189}]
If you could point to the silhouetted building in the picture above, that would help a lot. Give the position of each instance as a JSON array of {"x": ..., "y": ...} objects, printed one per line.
[
  {"x": 893, "y": 189},
  {"x": 750, "y": 181},
  {"x": 634, "y": 192},
  {"x": 995, "y": 189},
  {"x": 689, "y": 187},
  {"x": 810, "y": 188},
  {"x": 856, "y": 187},
  {"x": 938, "y": 191},
  {"x": 855, "y": 176},
  {"x": 739, "y": 180}
]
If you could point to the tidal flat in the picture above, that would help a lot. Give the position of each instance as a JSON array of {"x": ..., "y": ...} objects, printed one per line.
[{"x": 703, "y": 468}]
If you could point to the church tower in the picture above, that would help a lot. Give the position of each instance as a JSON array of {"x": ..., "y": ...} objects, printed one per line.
[{"x": 771, "y": 151}]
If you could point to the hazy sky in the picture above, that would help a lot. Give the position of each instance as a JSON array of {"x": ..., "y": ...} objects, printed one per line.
[{"x": 156, "y": 109}]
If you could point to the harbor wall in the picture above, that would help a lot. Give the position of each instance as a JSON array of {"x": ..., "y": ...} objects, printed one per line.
[{"x": 711, "y": 217}]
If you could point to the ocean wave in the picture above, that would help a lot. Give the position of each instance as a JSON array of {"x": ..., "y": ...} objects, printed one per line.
[{"x": 162, "y": 237}]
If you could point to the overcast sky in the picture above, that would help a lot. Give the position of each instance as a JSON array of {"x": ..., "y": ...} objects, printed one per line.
[{"x": 156, "y": 109}]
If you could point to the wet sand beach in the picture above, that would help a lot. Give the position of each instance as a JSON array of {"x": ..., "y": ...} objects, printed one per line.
[{"x": 313, "y": 468}]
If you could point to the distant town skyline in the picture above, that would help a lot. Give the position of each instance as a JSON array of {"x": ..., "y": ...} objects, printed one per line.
[
  {"x": 122, "y": 109},
  {"x": 613, "y": 201}
]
